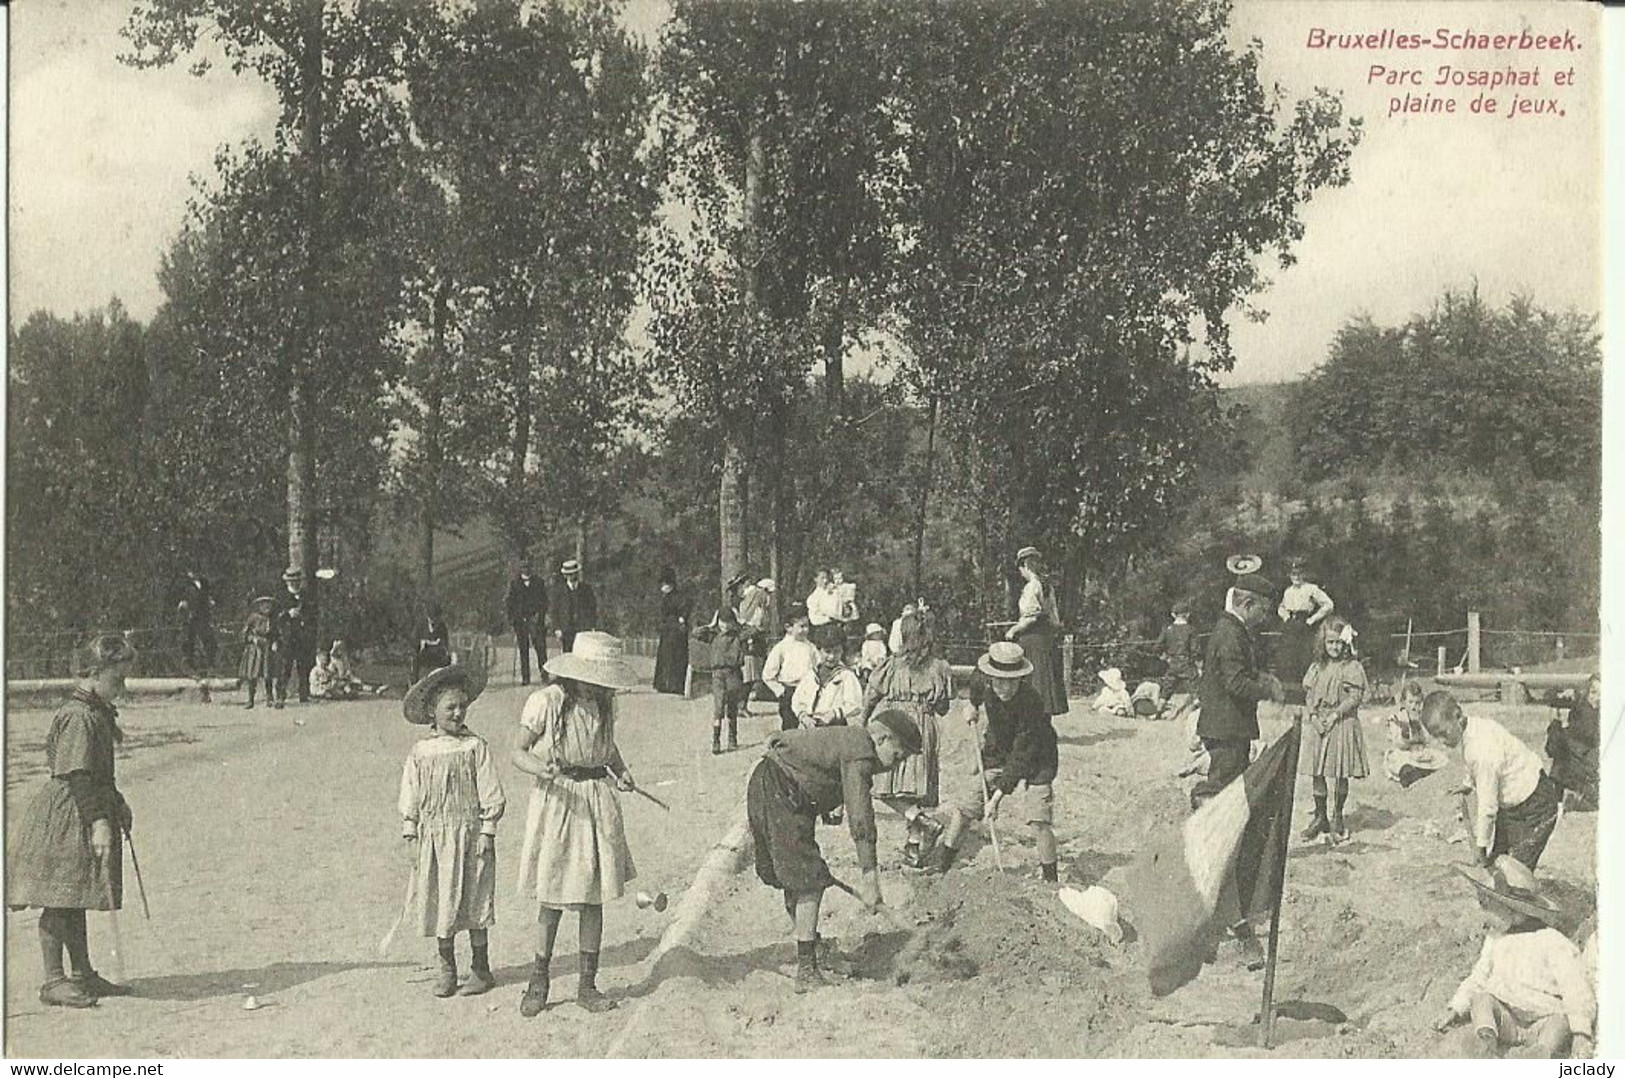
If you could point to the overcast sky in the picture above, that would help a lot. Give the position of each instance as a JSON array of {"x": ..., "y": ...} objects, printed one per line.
[{"x": 102, "y": 155}]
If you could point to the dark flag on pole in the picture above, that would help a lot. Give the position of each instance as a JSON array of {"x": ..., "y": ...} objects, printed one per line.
[{"x": 1224, "y": 863}]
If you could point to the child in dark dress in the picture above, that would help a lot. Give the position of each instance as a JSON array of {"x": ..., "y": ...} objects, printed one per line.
[
  {"x": 1573, "y": 743},
  {"x": 67, "y": 855},
  {"x": 258, "y": 662},
  {"x": 1177, "y": 643}
]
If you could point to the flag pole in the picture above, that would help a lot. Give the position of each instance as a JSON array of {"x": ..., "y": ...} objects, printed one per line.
[{"x": 1280, "y": 831}]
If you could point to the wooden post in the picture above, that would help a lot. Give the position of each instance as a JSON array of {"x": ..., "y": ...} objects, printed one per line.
[
  {"x": 1473, "y": 641},
  {"x": 1280, "y": 831},
  {"x": 1066, "y": 662},
  {"x": 1441, "y": 659}
]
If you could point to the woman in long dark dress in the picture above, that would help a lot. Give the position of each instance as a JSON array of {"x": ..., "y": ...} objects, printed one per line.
[
  {"x": 1038, "y": 622},
  {"x": 67, "y": 855},
  {"x": 671, "y": 660}
]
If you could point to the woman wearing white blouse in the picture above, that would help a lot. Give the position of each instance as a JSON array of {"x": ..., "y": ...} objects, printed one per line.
[
  {"x": 1303, "y": 607},
  {"x": 1038, "y": 620}
]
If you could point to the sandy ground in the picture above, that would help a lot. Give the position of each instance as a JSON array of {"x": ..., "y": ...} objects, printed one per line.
[{"x": 273, "y": 869}]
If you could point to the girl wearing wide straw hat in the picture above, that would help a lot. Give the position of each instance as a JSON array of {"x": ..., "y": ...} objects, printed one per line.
[
  {"x": 575, "y": 855},
  {"x": 1038, "y": 620},
  {"x": 66, "y": 857},
  {"x": 450, "y": 801}
]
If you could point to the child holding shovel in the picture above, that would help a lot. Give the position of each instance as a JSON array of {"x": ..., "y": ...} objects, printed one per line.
[
  {"x": 804, "y": 775},
  {"x": 451, "y": 799},
  {"x": 1018, "y": 748}
]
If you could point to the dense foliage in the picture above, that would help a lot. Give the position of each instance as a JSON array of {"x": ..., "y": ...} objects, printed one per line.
[{"x": 920, "y": 283}]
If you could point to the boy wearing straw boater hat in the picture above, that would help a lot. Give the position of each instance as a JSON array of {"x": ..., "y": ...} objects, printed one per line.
[
  {"x": 1531, "y": 986},
  {"x": 574, "y": 605},
  {"x": 1019, "y": 747},
  {"x": 450, "y": 801},
  {"x": 804, "y": 775},
  {"x": 575, "y": 854}
]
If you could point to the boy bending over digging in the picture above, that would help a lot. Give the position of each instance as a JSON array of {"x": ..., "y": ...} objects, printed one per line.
[{"x": 806, "y": 774}]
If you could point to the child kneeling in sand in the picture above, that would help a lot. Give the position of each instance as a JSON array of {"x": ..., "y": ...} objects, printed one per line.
[
  {"x": 451, "y": 799},
  {"x": 806, "y": 774},
  {"x": 1019, "y": 747},
  {"x": 1530, "y": 986}
]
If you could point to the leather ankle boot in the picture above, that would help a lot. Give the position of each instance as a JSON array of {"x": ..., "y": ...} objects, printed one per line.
[
  {"x": 534, "y": 1001},
  {"x": 587, "y": 994}
]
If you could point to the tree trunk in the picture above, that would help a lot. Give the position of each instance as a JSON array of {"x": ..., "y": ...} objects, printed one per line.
[
  {"x": 925, "y": 498},
  {"x": 783, "y": 486},
  {"x": 581, "y": 539},
  {"x": 744, "y": 516},
  {"x": 835, "y": 355},
  {"x": 304, "y": 357},
  {"x": 518, "y": 449},
  {"x": 730, "y": 513},
  {"x": 730, "y": 501},
  {"x": 434, "y": 448}
]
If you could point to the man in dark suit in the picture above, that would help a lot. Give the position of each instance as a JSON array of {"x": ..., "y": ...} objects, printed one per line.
[
  {"x": 1233, "y": 684},
  {"x": 196, "y": 608},
  {"x": 526, "y": 607},
  {"x": 1231, "y": 687},
  {"x": 296, "y": 617},
  {"x": 575, "y": 608}
]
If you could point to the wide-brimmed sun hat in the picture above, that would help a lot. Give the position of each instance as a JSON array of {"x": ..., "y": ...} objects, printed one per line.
[
  {"x": 1027, "y": 552},
  {"x": 258, "y": 599},
  {"x": 1005, "y": 659},
  {"x": 596, "y": 659},
  {"x": 1513, "y": 885},
  {"x": 571, "y": 567},
  {"x": 766, "y": 584},
  {"x": 874, "y": 628},
  {"x": 1113, "y": 678},
  {"x": 291, "y": 574},
  {"x": 420, "y": 697}
]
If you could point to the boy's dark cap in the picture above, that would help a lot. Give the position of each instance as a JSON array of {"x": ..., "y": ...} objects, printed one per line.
[
  {"x": 1258, "y": 584},
  {"x": 900, "y": 726}
]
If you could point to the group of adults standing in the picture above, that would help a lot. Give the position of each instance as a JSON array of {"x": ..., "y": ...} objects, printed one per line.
[{"x": 570, "y": 606}]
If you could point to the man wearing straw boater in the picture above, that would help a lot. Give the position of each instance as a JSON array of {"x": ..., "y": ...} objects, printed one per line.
[
  {"x": 574, "y": 605},
  {"x": 575, "y": 854}
]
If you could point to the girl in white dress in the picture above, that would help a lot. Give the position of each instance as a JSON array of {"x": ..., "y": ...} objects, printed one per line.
[
  {"x": 575, "y": 855},
  {"x": 451, "y": 799}
]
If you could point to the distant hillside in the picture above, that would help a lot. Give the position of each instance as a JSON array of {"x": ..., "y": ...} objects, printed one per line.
[{"x": 1263, "y": 430}]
